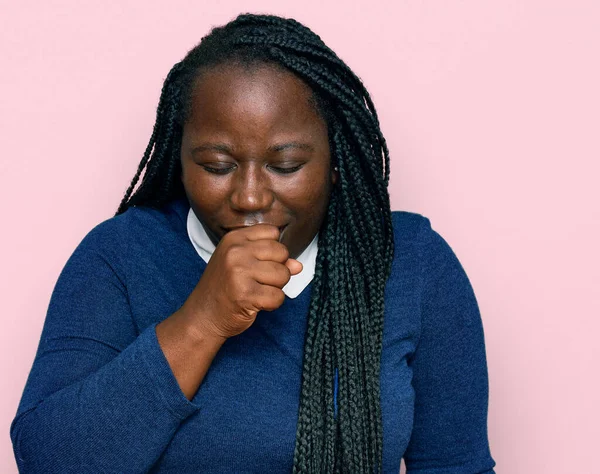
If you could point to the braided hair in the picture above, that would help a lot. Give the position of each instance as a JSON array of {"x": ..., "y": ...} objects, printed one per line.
[{"x": 345, "y": 321}]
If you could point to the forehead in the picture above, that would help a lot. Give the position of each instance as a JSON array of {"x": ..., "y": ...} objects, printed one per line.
[{"x": 264, "y": 92}]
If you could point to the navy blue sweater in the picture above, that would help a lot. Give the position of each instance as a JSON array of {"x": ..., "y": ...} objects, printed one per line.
[{"x": 101, "y": 397}]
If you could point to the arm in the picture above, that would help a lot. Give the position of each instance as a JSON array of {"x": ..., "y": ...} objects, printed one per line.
[
  {"x": 100, "y": 397},
  {"x": 449, "y": 371},
  {"x": 189, "y": 349}
]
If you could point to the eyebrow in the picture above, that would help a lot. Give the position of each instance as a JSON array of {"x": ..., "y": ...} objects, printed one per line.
[
  {"x": 223, "y": 148},
  {"x": 220, "y": 147},
  {"x": 291, "y": 145}
]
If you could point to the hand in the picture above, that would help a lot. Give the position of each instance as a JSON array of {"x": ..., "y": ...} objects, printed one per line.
[{"x": 245, "y": 275}]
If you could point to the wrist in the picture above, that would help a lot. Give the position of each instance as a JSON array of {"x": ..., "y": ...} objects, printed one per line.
[{"x": 199, "y": 331}]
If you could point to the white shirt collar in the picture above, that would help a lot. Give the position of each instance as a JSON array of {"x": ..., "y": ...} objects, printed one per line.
[{"x": 205, "y": 248}]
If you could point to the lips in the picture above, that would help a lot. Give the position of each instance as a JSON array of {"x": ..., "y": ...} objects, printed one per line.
[{"x": 230, "y": 228}]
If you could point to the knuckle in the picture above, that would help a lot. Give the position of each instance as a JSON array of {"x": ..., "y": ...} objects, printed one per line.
[
  {"x": 283, "y": 273},
  {"x": 228, "y": 239},
  {"x": 274, "y": 296},
  {"x": 277, "y": 250},
  {"x": 280, "y": 297},
  {"x": 246, "y": 295},
  {"x": 287, "y": 274},
  {"x": 285, "y": 253},
  {"x": 233, "y": 254}
]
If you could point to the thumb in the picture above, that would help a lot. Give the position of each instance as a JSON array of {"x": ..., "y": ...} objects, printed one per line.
[{"x": 294, "y": 266}]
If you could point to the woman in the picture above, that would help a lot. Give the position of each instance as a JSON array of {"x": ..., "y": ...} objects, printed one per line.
[{"x": 255, "y": 306}]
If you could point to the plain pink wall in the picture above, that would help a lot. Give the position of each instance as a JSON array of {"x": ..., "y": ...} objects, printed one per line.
[{"x": 492, "y": 114}]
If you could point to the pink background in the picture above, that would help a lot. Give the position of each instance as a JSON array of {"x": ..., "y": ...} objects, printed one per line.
[{"x": 491, "y": 110}]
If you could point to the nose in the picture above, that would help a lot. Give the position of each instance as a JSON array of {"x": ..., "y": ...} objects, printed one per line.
[{"x": 251, "y": 190}]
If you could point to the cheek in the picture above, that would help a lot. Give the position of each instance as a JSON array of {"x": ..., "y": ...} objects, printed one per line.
[
  {"x": 207, "y": 194},
  {"x": 308, "y": 197}
]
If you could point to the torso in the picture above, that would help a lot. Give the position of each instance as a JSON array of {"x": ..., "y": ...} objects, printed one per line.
[{"x": 249, "y": 398}]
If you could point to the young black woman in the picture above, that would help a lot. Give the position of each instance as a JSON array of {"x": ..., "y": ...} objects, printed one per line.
[{"x": 255, "y": 305}]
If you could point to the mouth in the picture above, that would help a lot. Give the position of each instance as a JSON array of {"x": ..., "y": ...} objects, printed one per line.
[{"x": 229, "y": 229}]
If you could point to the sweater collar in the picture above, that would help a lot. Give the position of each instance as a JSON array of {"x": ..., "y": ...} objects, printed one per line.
[{"x": 205, "y": 248}]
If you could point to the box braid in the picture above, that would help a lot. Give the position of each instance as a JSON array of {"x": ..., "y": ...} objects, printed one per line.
[{"x": 345, "y": 321}]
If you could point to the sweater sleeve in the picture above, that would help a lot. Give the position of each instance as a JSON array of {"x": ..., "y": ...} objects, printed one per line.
[
  {"x": 449, "y": 370},
  {"x": 100, "y": 397}
]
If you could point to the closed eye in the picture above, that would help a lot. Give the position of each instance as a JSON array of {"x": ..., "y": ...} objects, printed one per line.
[
  {"x": 218, "y": 170},
  {"x": 285, "y": 169},
  {"x": 226, "y": 168}
]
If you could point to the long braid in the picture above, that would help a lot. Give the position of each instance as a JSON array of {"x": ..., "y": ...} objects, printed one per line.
[
  {"x": 345, "y": 318},
  {"x": 161, "y": 149}
]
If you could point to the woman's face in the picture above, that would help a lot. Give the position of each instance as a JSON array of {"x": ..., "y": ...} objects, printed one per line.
[{"x": 255, "y": 150}]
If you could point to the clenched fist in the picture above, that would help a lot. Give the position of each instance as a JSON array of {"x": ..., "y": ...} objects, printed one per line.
[{"x": 245, "y": 275}]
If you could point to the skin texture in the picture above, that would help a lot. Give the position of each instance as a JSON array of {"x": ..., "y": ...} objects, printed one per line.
[
  {"x": 252, "y": 124},
  {"x": 256, "y": 170}
]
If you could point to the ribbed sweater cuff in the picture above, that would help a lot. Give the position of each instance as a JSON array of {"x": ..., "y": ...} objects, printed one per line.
[{"x": 161, "y": 376}]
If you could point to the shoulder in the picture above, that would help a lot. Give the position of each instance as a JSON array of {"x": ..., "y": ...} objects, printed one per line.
[
  {"x": 408, "y": 225},
  {"x": 143, "y": 220},
  {"x": 418, "y": 247},
  {"x": 422, "y": 250},
  {"x": 408, "y": 248},
  {"x": 415, "y": 231},
  {"x": 411, "y": 230},
  {"x": 138, "y": 227},
  {"x": 425, "y": 262}
]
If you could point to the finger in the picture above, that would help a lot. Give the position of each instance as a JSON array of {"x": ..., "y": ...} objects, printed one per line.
[
  {"x": 269, "y": 250},
  {"x": 269, "y": 298},
  {"x": 270, "y": 273},
  {"x": 259, "y": 232},
  {"x": 294, "y": 266}
]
